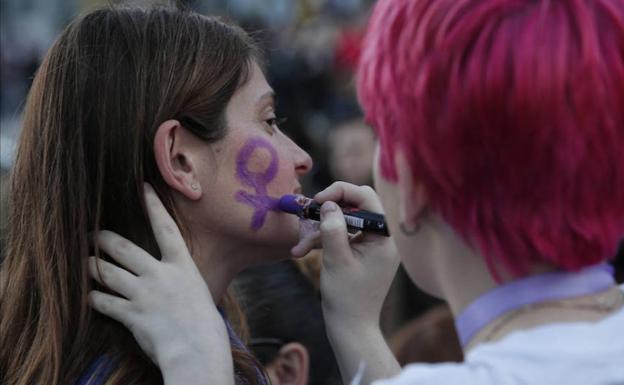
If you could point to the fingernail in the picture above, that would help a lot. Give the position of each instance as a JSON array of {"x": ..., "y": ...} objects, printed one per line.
[{"x": 328, "y": 207}]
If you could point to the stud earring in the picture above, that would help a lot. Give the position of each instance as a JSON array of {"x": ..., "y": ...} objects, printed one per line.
[
  {"x": 409, "y": 232},
  {"x": 194, "y": 186}
]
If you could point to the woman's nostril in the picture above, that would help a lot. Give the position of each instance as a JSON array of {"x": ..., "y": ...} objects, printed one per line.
[{"x": 303, "y": 162}]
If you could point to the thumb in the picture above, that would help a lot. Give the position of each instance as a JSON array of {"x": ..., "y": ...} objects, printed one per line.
[{"x": 334, "y": 234}]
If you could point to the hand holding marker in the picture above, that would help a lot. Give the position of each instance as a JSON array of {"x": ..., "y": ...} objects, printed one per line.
[{"x": 356, "y": 219}]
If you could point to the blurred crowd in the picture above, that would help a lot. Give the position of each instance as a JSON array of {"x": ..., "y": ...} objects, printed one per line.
[{"x": 312, "y": 48}]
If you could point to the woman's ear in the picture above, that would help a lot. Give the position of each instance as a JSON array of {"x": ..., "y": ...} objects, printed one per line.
[
  {"x": 291, "y": 366},
  {"x": 413, "y": 199},
  {"x": 173, "y": 150}
]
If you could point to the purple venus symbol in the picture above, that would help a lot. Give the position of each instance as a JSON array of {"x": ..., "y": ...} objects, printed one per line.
[{"x": 261, "y": 202}]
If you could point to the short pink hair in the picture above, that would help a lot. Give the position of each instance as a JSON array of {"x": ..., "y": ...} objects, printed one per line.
[{"x": 511, "y": 112}]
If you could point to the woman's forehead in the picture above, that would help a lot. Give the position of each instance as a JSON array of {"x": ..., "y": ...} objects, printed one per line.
[{"x": 255, "y": 93}]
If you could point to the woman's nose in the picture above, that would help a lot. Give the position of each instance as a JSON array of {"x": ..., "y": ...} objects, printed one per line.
[{"x": 303, "y": 160}]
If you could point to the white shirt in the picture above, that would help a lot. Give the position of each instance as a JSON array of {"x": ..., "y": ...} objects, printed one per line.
[{"x": 579, "y": 353}]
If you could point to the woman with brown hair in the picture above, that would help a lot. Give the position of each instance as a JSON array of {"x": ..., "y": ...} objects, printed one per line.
[
  {"x": 499, "y": 168},
  {"x": 127, "y": 96}
]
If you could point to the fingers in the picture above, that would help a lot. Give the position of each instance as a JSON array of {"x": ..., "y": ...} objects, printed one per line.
[
  {"x": 126, "y": 253},
  {"x": 363, "y": 197},
  {"x": 165, "y": 229},
  {"x": 334, "y": 234},
  {"x": 117, "y": 308},
  {"x": 113, "y": 277},
  {"x": 306, "y": 244},
  {"x": 310, "y": 239}
]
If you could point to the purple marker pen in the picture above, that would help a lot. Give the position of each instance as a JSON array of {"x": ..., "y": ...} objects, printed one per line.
[{"x": 356, "y": 219}]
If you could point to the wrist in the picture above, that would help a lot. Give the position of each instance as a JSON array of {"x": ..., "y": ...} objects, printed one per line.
[
  {"x": 202, "y": 369},
  {"x": 209, "y": 340},
  {"x": 340, "y": 318},
  {"x": 199, "y": 362},
  {"x": 341, "y": 323}
]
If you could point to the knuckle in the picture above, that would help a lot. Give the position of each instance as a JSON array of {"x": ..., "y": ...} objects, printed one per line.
[
  {"x": 332, "y": 227},
  {"x": 141, "y": 292},
  {"x": 130, "y": 323},
  {"x": 169, "y": 228},
  {"x": 105, "y": 236},
  {"x": 100, "y": 302},
  {"x": 336, "y": 186},
  {"x": 105, "y": 274},
  {"x": 367, "y": 189},
  {"x": 341, "y": 185},
  {"x": 122, "y": 246},
  {"x": 109, "y": 241},
  {"x": 151, "y": 199},
  {"x": 107, "y": 304}
]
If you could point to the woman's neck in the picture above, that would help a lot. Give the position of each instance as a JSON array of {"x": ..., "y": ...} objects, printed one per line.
[{"x": 218, "y": 263}]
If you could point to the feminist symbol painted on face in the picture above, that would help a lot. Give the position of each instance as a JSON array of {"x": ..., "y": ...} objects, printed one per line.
[{"x": 261, "y": 202}]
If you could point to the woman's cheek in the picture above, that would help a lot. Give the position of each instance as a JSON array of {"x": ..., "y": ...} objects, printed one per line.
[{"x": 257, "y": 168}]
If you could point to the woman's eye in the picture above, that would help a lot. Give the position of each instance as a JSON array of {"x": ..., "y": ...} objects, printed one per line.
[{"x": 274, "y": 123}]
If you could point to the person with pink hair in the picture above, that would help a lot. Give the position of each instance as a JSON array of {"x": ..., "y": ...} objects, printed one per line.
[{"x": 500, "y": 169}]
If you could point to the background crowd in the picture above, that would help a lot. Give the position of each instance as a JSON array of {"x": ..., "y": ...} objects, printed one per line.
[{"x": 312, "y": 48}]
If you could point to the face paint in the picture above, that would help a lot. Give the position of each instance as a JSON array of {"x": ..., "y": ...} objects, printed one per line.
[{"x": 261, "y": 202}]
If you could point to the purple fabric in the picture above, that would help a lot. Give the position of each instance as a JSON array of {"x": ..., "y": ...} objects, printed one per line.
[
  {"x": 531, "y": 290},
  {"x": 101, "y": 367},
  {"x": 237, "y": 343},
  {"x": 261, "y": 202}
]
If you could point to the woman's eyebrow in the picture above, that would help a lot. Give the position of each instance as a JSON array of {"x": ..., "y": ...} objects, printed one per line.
[{"x": 268, "y": 98}]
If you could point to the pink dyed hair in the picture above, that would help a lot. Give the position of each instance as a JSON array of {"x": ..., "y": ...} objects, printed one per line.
[{"x": 511, "y": 112}]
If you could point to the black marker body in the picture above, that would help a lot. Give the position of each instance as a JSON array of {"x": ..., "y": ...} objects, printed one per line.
[{"x": 356, "y": 219}]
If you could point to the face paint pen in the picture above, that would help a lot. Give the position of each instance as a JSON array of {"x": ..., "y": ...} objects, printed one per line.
[{"x": 356, "y": 219}]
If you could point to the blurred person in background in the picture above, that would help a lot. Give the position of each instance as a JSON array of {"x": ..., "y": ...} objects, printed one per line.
[
  {"x": 429, "y": 338},
  {"x": 19, "y": 59},
  {"x": 282, "y": 309},
  {"x": 351, "y": 151}
]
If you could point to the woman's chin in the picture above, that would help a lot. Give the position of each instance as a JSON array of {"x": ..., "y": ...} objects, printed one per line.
[{"x": 282, "y": 230}]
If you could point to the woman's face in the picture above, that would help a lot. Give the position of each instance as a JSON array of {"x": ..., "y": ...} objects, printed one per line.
[{"x": 244, "y": 174}]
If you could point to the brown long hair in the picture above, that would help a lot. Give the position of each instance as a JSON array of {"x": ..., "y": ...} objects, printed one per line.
[{"x": 109, "y": 80}]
